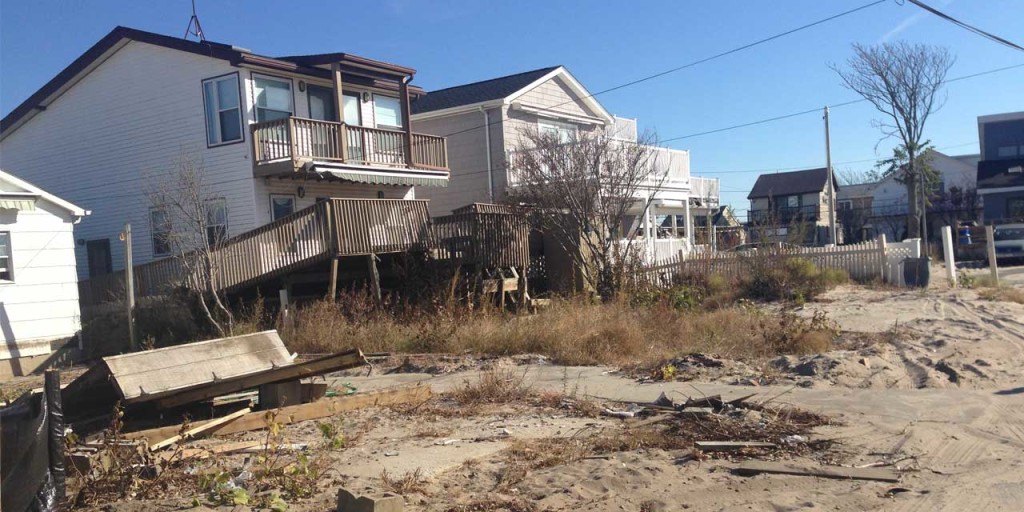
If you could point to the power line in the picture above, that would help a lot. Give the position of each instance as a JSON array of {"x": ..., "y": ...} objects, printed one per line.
[
  {"x": 965, "y": 26},
  {"x": 818, "y": 109},
  {"x": 811, "y": 166},
  {"x": 690, "y": 64}
]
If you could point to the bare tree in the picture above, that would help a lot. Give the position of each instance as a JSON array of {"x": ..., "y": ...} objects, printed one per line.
[
  {"x": 582, "y": 191},
  {"x": 902, "y": 81},
  {"x": 189, "y": 223},
  {"x": 850, "y": 176}
]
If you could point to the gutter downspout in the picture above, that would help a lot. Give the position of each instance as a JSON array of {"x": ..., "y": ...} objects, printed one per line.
[{"x": 487, "y": 146}]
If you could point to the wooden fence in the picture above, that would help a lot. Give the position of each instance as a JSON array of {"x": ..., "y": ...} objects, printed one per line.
[
  {"x": 863, "y": 261},
  {"x": 487, "y": 240}
]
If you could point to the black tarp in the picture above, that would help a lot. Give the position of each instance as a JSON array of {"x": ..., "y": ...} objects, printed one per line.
[{"x": 28, "y": 479}]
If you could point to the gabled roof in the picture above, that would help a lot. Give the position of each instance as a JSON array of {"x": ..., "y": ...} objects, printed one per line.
[
  {"x": 996, "y": 174},
  {"x": 790, "y": 183},
  {"x": 29, "y": 190},
  {"x": 498, "y": 91},
  {"x": 364, "y": 71},
  {"x": 478, "y": 92}
]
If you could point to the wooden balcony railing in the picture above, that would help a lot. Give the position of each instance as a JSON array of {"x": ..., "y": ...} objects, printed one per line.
[{"x": 298, "y": 139}]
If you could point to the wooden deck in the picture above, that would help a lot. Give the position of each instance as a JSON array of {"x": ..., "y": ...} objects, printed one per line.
[
  {"x": 284, "y": 145},
  {"x": 332, "y": 229}
]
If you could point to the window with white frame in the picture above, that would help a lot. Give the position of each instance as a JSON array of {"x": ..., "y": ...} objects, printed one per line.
[
  {"x": 223, "y": 111},
  {"x": 273, "y": 98},
  {"x": 216, "y": 221},
  {"x": 281, "y": 205},
  {"x": 387, "y": 111},
  {"x": 6, "y": 262},
  {"x": 844, "y": 205},
  {"x": 563, "y": 132},
  {"x": 160, "y": 231}
]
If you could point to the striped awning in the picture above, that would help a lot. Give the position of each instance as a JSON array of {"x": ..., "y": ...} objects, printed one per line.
[
  {"x": 374, "y": 178},
  {"x": 17, "y": 203}
]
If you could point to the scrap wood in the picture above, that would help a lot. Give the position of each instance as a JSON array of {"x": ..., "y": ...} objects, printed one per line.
[
  {"x": 295, "y": 413},
  {"x": 200, "y": 429},
  {"x": 728, "y": 446},
  {"x": 788, "y": 468},
  {"x": 714, "y": 401}
]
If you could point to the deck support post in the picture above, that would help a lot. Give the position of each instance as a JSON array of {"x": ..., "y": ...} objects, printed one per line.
[
  {"x": 339, "y": 109},
  {"x": 334, "y": 280},
  {"x": 403, "y": 96},
  {"x": 374, "y": 278}
]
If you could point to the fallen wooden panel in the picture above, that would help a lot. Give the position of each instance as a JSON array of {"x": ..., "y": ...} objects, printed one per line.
[
  {"x": 151, "y": 374},
  {"x": 730, "y": 446},
  {"x": 198, "y": 430},
  {"x": 295, "y": 413},
  {"x": 789, "y": 468},
  {"x": 326, "y": 364}
]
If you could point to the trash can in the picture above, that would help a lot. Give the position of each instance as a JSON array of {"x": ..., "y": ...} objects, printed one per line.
[{"x": 916, "y": 271}]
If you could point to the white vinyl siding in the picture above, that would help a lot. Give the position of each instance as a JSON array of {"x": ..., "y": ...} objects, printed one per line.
[
  {"x": 124, "y": 125},
  {"x": 273, "y": 98},
  {"x": 223, "y": 110}
]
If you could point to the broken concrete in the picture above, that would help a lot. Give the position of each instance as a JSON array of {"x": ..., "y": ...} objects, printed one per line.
[{"x": 387, "y": 502}]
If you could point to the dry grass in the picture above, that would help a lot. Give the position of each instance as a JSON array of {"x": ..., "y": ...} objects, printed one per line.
[
  {"x": 494, "y": 386},
  {"x": 570, "y": 332},
  {"x": 409, "y": 483},
  {"x": 1002, "y": 294}
]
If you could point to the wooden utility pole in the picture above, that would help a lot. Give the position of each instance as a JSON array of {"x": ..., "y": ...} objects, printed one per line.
[
  {"x": 129, "y": 285},
  {"x": 831, "y": 192}
]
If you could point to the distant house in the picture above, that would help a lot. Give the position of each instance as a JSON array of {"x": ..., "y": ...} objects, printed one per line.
[
  {"x": 38, "y": 291},
  {"x": 1001, "y": 168},
  {"x": 783, "y": 203},
  {"x": 550, "y": 100},
  {"x": 854, "y": 207},
  {"x": 953, "y": 199}
]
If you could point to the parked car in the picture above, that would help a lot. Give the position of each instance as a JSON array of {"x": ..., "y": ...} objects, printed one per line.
[
  {"x": 1009, "y": 241},
  {"x": 765, "y": 246}
]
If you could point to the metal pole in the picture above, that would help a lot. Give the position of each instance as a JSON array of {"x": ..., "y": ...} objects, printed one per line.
[
  {"x": 129, "y": 286},
  {"x": 831, "y": 186}
]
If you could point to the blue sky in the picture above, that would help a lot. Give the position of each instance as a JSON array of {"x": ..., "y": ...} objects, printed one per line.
[{"x": 604, "y": 44}]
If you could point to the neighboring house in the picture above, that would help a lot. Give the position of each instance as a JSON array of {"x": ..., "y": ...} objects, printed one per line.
[
  {"x": 853, "y": 211},
  {"x": 785, "y": 202},
  {"x": 38, "y": 293},
  {"x": 484, "y": 121},
  {"x": 1001, "y": 167},
  {"x": 272, "y": 135}
]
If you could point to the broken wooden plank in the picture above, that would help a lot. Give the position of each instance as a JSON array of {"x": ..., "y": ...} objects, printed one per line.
[
  {"x": 295, "y": 413},
  {"x": 331, "y": 363},
  {"x": 730, "y": 446},
  {"x": 790, "y": 468},
  {"x": 200, "y": 429}
]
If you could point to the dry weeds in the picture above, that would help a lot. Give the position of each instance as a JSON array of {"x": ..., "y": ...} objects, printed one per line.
[
  {"x": 412, "y": 482},
  {"x": 1002, "y": 294}
]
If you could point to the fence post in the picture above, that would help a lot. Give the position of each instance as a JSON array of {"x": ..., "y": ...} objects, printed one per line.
[
  {"x": 55, "y": 432},
  {"x": 884, "y": 263},
  {"x": 947, "y": 249},
  {"x": 991, "y": 245}
]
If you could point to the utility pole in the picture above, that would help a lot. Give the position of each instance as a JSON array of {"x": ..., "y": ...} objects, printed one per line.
[
  {"x": 129, "y": 284},
  {"x": 831, "y": 186}
]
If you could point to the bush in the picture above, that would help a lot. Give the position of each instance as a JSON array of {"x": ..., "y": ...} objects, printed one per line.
[{"x": 794, "y": 279}]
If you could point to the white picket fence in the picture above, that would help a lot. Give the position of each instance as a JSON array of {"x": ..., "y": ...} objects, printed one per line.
[{"x": 865, "y": 261}]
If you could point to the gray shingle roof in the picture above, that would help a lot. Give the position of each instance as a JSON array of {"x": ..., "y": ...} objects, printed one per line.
[
  {"x": 790, "y": 183},
  {"x": 468, "y": 94}
]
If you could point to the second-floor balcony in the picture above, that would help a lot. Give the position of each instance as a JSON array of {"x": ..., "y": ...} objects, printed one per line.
[
  {"x": 284, "y": 145},
  {"x": 785, "y": 214}
]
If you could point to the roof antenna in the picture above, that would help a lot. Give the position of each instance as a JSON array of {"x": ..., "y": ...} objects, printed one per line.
[{"x": 194, "y": 21}]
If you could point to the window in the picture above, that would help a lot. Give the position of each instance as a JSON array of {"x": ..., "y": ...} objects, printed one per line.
[
  {"x": 273, "y": 98},
  {"x": 793, "y": 201},
  {"x": 352, "y": 109},
  {"x": 1015, "y": 208},
  {"x": 160, "y": 229},
  {"x": 844, "y": 205},
  {"x": 97, "y": 253},
  {"x": 281, "y": 205},
  {"x": 6, "y": 266},
  {"x": 387, "y": 112},
  {"x": 216, "y": 221},
  {"x": 564, "y": 132},
  {"x": 223, "y": 113}
]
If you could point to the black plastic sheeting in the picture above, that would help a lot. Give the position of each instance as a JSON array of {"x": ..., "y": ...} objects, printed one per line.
[{"x": 28, "y": 481}]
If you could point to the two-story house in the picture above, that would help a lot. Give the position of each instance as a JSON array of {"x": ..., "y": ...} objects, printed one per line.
[
  {"x": 484, "y": 122},
  {"x": 1001, "y": 168},
  {"x": 792, "y": 206},
  {"x": 271, "y": 136}
]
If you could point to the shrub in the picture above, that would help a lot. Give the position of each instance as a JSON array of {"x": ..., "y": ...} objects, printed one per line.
[{"x": 792, "y": 279}]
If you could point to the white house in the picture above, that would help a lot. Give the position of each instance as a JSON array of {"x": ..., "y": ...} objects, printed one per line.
[
  {"x": 483, "y": 122},
  {"x": 272, "y": 135},
  {"x": 38, "y": 284}
]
